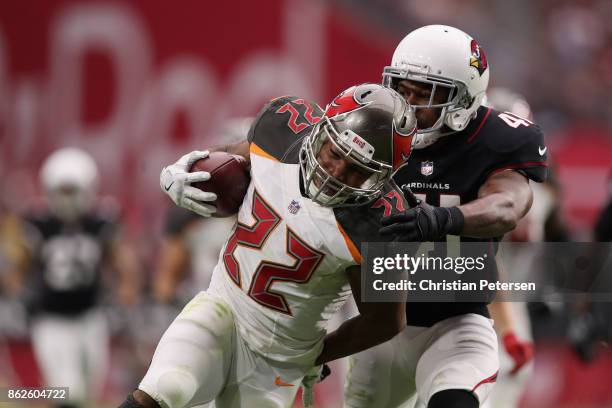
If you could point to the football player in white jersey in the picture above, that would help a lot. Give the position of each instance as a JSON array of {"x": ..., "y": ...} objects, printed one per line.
[{"x": 317, "y": 181}]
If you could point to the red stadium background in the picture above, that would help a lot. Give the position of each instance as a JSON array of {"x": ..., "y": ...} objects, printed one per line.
[{"x": 138, "y": 83}]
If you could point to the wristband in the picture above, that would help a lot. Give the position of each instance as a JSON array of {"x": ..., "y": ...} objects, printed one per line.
[
  {"x": 456, "y": 220},
  {"x": 450, "y": 220}
]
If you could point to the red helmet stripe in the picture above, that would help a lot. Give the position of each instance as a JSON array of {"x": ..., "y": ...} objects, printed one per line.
[{"x": 343, "y": 103}]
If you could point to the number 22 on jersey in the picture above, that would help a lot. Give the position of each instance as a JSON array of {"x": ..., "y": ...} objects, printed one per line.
[{"x": 254, "y": 238}]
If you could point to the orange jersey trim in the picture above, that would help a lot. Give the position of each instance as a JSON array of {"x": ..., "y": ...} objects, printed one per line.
[
  {"x": 261, "y": 152},
  {"x": 350, "y": 245}
]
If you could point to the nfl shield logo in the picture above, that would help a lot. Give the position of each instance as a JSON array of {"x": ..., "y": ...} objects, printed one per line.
[
  {"x": 427, "y": 168},
  {"x": 294, "y": 207}
]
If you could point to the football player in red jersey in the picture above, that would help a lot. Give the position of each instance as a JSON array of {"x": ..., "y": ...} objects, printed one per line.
[
  {"x": 293, "y": 257},
  {"x": 471, "y": 166}
]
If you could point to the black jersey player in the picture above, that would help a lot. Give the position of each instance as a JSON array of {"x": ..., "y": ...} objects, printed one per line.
[
  {"x": 471, "y": 166},
  {"x": 71, "y": 244}
]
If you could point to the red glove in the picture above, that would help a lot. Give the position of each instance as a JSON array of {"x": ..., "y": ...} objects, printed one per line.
[{"x": 521, "y": 351}]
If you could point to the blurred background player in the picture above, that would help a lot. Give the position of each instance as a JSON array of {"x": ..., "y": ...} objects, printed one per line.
[
  {"x": 13, "y": 259},
  {"x": 511, "y": 319},
  {"x": 589, "y": 329},
  {"x": 13, "y": 251},
  {"x": 603, "y": 233},
  {"x": 603, "y": 227},
  {"x": 71, "y": 245}
]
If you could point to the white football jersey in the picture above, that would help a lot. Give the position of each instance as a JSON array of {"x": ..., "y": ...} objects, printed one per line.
[{"x": 282, "y": 271}]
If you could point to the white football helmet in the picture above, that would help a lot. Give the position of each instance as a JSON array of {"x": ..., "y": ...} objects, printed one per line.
[
  {"x": 444, "y": 57},
  {"x": 70, "y": 179}
]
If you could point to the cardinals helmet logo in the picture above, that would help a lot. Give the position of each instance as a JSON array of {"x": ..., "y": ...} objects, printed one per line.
[{"x": 478, "y": 59}]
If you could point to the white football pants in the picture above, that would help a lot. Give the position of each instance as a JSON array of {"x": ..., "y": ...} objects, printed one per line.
[
  {"x": 73, "y": 352},
  {"x": 456, "y": 353},
  {"x": 201, "y": 358}
]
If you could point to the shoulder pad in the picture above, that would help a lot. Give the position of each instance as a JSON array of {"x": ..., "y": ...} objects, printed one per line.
[
  {"x": 281, "y": 125},
  {"x": 514, "y": 143},
  {"x": 506, "y": 133}
]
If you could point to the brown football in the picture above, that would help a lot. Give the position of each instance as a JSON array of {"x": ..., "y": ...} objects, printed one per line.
[{"x": 229, "y": 180}]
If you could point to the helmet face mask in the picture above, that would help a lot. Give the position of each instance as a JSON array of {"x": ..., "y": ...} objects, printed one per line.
[
  {"x": 456, "y": 100},
  {"x": 442, "y": 57},
  {"x": 324, "y": 188},
  {"x": 370, "y": 128}
]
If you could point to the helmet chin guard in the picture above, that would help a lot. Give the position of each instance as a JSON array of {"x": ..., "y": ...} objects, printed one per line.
[{"x": 325, "y": 189}]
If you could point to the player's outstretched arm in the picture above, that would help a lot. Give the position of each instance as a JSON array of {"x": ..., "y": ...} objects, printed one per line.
[
  {"x": 375, "y": 324},
  {"x": 502, "y": 201}
]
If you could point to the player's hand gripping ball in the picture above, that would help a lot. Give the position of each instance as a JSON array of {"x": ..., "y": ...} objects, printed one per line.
[{"x": 229, "y": 180}]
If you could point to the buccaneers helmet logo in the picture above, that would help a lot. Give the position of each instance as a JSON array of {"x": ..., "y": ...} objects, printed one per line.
[
  {"x": 478, "y": 59},
  {"x": 344, "y": 103}
]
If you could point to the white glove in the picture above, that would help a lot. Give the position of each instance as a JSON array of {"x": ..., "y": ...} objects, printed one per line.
[
  {"x": 175, "y": 181},
  {"x": 313, "y": 376}
]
